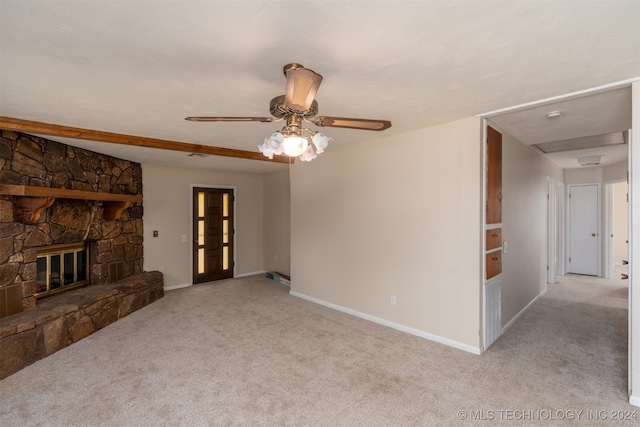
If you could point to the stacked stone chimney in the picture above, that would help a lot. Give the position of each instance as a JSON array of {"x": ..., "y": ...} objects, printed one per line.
[{"x": 33, "y": 161}]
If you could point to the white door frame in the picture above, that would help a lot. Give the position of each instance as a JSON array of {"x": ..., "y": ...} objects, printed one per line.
[
  {"x": 551, "y": 230},
  {"x": 560, "y": 233},
  {"x": 634, "y": 236},
  {"x": 607, "y": 232}
]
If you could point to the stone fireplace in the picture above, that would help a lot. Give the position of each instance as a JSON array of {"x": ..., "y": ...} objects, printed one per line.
[
  {"x": 70, "y": 246},
  {"x": 53, "y": 194}
]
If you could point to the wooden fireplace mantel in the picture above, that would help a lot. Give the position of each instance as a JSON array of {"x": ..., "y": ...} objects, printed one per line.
[{"x": 32, "y": 200}]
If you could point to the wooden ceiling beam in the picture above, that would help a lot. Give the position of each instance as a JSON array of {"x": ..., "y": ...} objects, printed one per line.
[{"x": 31, "y": 127}]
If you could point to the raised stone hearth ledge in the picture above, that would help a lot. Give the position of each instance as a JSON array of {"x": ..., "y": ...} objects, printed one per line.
[{"x": 61, "y": 320}]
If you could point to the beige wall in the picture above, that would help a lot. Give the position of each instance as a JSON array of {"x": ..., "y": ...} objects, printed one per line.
[
  {"x": 396, "y": 216},
  {"x": 524, "y": 221},
  {"x": 583, "y": 175},
  {"x": 277, "y": 213},
  {"x": 167, "y": 208},
  {"x": 615, "y": 172},
  {"x": 588, "y": 175}
]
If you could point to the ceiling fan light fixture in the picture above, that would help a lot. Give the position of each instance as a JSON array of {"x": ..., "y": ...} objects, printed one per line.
[
  {"x": 264, "y": 149},
  {"x": 295, "y": 141},
  {"x": 275, "y": 141},
  {"x": 321, "y": 141},
  {"x": 294, "y": 146},
  {"x": 309, "y": 154},
  {"x": 272, "y": 145}
]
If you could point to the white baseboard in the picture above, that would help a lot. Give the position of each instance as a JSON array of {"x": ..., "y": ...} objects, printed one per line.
[
  {"x": 522, "y": 312},
  {"x": 393, "y": 325},
  {"x": 173, "y": 287},
  {"x": 186, "y": 285},
  {"x": 237, "y": 276},
  {"x": 634, "y": 400}
]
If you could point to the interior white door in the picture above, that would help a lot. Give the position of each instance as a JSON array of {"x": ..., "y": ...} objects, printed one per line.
[{"x": 583, "y": 229}]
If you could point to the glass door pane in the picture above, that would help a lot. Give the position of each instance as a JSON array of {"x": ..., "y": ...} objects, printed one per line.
[
  {"x": 41, "y": 275},
  {"x": 69, "y": 268},
  {"x": 54, "y": 272},
  {"x": 81, "y": 263},
  {"x": 201, "y": 261}
]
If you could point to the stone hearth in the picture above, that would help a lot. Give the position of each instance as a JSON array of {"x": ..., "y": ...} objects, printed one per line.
[
  {"x": 55, "y": 194},
  {"x": 64, "y": 319}
]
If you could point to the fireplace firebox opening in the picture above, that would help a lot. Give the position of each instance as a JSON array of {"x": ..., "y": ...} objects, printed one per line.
[{"x": 60, "y": 268}]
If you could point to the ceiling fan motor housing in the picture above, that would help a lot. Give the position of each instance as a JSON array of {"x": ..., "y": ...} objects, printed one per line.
[{"x": 279, "y": 110}]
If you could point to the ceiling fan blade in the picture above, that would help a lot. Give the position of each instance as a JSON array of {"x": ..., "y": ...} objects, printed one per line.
[
  {"x": 302, "y": 86},
  {"x": 230, "y": 119},
  {"x": 344, "y": 122}
]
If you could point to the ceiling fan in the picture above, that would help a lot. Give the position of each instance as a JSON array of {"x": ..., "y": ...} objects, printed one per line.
[{"x": 296, "y": 106}]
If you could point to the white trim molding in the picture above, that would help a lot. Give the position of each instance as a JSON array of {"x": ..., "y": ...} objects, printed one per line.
[
  {"x": 174, "y": 287},
  {"x": 565, "y": 97},
  {"x": 393, "y": 325},
  {"x": 523, "y": 311},
  {"x": 253, "y": 273}
]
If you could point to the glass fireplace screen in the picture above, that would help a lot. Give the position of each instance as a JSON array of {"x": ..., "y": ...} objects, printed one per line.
[{"x": 61, "y": 267}]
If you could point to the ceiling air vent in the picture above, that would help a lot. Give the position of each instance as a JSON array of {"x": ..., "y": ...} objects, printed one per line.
[{"x": 589, "y": 160}]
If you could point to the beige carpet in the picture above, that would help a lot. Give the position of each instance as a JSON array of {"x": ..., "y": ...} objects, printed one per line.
[{"x": 244, "y": 352}]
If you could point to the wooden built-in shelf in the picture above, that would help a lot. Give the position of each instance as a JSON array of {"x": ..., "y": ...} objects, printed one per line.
[{"x": 32, "y": 200}]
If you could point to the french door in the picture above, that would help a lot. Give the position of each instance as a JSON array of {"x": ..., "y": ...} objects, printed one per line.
[{"x": 212, "y": 234}]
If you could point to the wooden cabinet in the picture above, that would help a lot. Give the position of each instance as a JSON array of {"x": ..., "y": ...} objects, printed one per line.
[
  {"x": 494, "y": 263},
  {"x": 494, "y": 176},
  {"x": 493, "y": 238},
  {"x": 492, "y": 289}
]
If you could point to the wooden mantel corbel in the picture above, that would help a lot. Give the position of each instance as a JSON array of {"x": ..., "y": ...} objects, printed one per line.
[
  {"x": 29, "y": 209},
  {"x": 31, "y": 200},
  {"x": 113, "y": 210}
]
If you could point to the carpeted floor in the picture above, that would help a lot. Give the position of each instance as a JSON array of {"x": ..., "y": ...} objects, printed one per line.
[{"x": 244, "y": 352}]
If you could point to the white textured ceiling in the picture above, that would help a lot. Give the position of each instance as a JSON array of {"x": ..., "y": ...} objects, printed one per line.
[
  {"x": 139, "y": 67},
  {"x": 582, "y": 120}
]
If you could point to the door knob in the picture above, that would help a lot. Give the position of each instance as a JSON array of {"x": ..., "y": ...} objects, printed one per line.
[{"x": 593, "y": 234}]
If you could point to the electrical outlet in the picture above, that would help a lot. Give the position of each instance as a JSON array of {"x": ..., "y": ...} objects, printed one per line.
[
  {"x": 184, "y": 238},
  {"x": 161, "y": 269},
  {"x": 393, "y": 300},
  {"x": 505, "y": 247}
]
